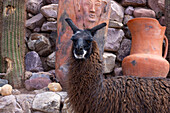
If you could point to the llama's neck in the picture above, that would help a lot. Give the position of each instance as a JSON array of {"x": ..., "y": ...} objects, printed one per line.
[{"x": 85, "y": 78}]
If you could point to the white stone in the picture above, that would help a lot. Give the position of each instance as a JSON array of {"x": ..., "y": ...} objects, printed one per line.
[
  {"x": 50, "y": 11},
  {"x": 117, "y": 12},
  {"x": 109, "y": 62},
  {"x": 47, "y": 102}
]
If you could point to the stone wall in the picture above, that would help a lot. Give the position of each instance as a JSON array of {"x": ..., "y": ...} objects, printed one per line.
[{"x": 41, "y": 31}]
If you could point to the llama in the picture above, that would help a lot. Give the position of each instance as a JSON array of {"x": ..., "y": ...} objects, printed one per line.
[{"x": 89, "y": 92}]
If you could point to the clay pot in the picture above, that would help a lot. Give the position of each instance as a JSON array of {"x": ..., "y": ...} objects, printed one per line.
[{"x": 145, "y": 59}]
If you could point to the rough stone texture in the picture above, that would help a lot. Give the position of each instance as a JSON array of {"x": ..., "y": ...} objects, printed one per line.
[
  {"x": 8, "y": 104},
  {"x": 3, "y": 82},
  {"x": 129, "y": 10},
  {"x": 44, "y": 63},
  {"x": 49, "y": 26},
  {"x": 37, "y": 29},
  {"x": 50, "y": 11},
  {"x": 153, "y": 4},
  {"x": 127, "y": 32},
  {"x": 35, "y": 21},
  {"x": 63, "y": 95},
  {"x": 115, "y": 24},
  {"x": 127, "y": 18},
  {"x": 25, "y": 100},
  {"x": 6, "y": 90},
  {"x": 52, "y": 1},
  {"x": 109, "y": 62},
  {"x": 16, "y": 92},
  {"x": 161, "y": 4},
  {"x": 114, "y": 37},
  {"x": 124, "y": 49},
  {"x": 33, "y": 6},
  {"x": 39, "y": 43},
  {"x": 162, "y": 21},
  {"x": 51, "y": 60},
  {"x": 28, "y": 33},
  {"x": 28, "y": 74},
  {"x": 47, "y": 102},
  {"x": 134, "y": 2},
  {"x": 33, "y": 62},
  {"x": 40, "y": 74},
  {"x": 117, "y": 12},
  {"x": 142, "y": 12},
  {"x": 37, "y": 83},
  {"x": 118, "y": 71}
]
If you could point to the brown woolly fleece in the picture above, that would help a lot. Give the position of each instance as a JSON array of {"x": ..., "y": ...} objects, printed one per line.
[{"x": 89, "y": 92}]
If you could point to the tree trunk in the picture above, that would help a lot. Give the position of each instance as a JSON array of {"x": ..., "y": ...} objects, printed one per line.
[
  {"x": 12, "y": 42},
  {"x": 167, "y": 19}
]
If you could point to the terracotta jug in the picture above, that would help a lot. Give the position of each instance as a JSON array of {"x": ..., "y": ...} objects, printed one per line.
[{"x": 145, "y": 59}]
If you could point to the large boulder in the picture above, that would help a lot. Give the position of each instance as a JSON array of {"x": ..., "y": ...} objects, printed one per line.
[
  {"x": 50, "y": 11},
  {"x": 33, "y": 62},
  {"x": 48, "y": 102},
  {"x": 134, "y": 3},
  {"x": 117, "y": 12},
  {"x": 33, "y": 6},
  {"x": 8, "y": 104},
  {"x": 143, "y": 12},
  {"x": 35, "y": 21},
  {"x": 114, "y": 37}
]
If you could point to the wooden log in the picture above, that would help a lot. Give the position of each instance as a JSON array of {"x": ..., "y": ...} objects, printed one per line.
[
  {"x": 85, "y": 14},
  {"x": 12, "y": 49}
]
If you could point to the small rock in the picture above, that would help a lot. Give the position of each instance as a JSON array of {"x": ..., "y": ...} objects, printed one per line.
[
  {"x": 53, "y": 76},
  {"x": 40, "y": 74},
  {"x": 124, "y": 49},
  {"x": 35, "y": 21},
  {"x": 133, "y": 3},
  {"x": 50, "y": 11},
  {"x": 49, "y": 26},
  {"x": 115, "y": 24},
  {"x": 129, "y": 10},
  {"x": 6, "y": 90},
  {"x": 117, "y": 12},
  {"x": 8, "y": 104},
  {"x": 55, "y": 87},
  {"x": 16, "y": 92},
  {"x": 127, "y": 18},
  {"x": 127, "y": 32},
  {"x": 47, "y": 102},
  {"x": 37, "y": 29},
  {"x": 153, "y": 4},
  {"x": 33, "y": 6},
  {"x": 37, "y": 83},
  {"x": 29, "y": 15},
  {"x": 51, "y": 19},
  {"x": 142, "y": 12},
  {"x": 162, "y": 21},
  {"x": 33, "y": 62},
  {"x": 28, "y": 33},
  {"x": 118, "y": 71},
  {"x": 44, "y": 63},
  {"x": 3, "y": 82},
  {"x": 114, "y": 37},
  {"x": 109, "y": 62},
  {"x": 51, "y": 60},
  {"x": 28, "y": 74}
]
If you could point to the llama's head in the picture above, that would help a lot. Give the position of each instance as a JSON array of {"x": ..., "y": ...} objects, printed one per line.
[{"x": 82, "y": 39}]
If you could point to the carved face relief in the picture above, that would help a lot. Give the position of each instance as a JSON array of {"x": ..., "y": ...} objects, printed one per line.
[{"x": 92, "y": 10}]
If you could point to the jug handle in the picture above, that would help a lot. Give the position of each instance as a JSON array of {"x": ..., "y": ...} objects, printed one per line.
[{"x": 166, "y": 47}]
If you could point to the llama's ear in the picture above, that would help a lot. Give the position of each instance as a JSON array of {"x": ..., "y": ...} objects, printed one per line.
[
  {"x": 96, "y": 28},
  {"x": 72, "y": 25}
]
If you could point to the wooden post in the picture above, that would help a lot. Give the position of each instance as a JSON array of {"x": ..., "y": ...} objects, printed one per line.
[
  {"x": 85, "y": 14},
  {"x": 12, "y": 49},
  {"x": 167, "y": 19}
]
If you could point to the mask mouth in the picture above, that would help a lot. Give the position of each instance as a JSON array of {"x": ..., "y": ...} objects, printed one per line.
[{"x": 79, "y": 54}]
